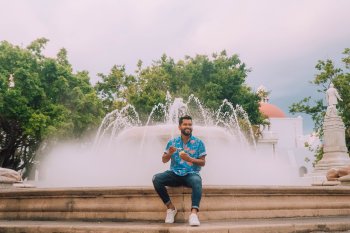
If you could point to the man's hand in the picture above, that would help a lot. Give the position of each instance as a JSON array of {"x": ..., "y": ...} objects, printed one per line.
[
  {"x": 171, "y": 150},
  {"x": 167, "y": 155},
  {"x": 200, "y": 161},
  {"x": 185, "y": 156}
]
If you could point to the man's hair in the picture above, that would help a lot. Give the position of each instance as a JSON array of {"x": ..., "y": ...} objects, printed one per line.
[{"x": 186, "y": 117}]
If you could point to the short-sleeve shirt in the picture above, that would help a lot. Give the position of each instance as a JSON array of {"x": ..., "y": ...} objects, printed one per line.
[{"x": 194, "y": 148}]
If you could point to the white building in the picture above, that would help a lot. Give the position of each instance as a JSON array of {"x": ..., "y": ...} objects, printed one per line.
[{"x": 284, "y": 138}]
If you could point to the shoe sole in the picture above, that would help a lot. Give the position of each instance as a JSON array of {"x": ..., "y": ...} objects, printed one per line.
[{"x": 194, "y": 225}]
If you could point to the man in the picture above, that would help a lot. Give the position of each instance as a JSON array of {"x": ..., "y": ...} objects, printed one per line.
[{"x": 187, "y": 154}]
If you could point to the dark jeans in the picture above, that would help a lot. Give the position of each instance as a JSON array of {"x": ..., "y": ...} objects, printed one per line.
[{"x": 170, "y": 179}]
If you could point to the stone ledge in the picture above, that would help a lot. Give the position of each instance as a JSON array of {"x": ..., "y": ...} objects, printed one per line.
[
  {"x": 143, "y": 204},
  {"x": 144, "y": 190},
  {"x": 282, "y": 225},
  {"x": 6, "y": 185}
]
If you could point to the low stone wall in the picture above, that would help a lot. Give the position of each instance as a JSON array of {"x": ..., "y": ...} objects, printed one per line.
[{"x": 143, "y": 204}]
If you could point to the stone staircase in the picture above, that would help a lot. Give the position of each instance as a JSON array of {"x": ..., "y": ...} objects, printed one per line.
[
  {"x": 301, "y": 225},
  {"x": 138, "y": 209}
]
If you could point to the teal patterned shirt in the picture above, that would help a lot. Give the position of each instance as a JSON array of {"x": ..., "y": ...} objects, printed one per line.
[{"x": 194, "y": 148}]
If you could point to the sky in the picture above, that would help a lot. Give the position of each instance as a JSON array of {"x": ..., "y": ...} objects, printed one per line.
[{"x": 281, "y": 41}]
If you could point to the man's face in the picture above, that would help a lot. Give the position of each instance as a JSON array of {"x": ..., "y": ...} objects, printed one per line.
[{"x": 186, "y": 127}]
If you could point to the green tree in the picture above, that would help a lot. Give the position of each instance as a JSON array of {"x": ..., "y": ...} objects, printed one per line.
[
  {"x": 211, "y": 79},
  {"x": 340, "y": 77},
  {"x": 47, "y": 101},
  {"x": 111, "y": 89}
]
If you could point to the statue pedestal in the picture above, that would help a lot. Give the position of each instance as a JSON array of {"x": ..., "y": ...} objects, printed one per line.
[
  {"x": 345, "y": 180},
  {"x": 334, "y": 147}
]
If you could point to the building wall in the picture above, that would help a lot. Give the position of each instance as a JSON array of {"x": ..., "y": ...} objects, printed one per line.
[
  {"x": 288, "y": 130},
  {"x": 291, "y": 142}
]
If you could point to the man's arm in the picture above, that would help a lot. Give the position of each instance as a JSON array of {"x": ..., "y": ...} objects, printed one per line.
[
  {"x": 167, "y": 155},
  {"x": 199, "y": 162},
  {"x": 202, "y": 154}
]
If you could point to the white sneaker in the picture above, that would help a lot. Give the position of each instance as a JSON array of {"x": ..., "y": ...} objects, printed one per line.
[
  {"x": 193, "y": 220},
  {"x": 170, "y": 215}
]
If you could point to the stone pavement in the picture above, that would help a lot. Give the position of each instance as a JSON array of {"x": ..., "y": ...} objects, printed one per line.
[{"x": 280, "y": 225}]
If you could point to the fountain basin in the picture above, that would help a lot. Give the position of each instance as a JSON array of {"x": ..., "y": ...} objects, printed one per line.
[{"x": 142, "y": 203}]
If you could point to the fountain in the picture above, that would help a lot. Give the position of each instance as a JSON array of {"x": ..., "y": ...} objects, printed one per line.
[
  {"x": 110, "y": 181},
  {"x": 122, "y": 143}
]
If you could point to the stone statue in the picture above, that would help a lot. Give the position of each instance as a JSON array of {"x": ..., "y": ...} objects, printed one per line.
[
  {"x": 9, "y": 176},
  {"x": 332, "y": 96},
  {"x": 335, "y": 163},
  {"x": 335, "y": 173}
]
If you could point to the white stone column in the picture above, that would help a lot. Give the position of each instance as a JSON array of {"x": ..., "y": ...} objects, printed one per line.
[{"x": 334, "y": 146}]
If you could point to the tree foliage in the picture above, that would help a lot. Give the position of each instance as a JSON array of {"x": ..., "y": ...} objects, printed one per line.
[
  {"x": 211, "y": 79},
  {"x": 48, "y": 100},
  {"x": 327, "y": 73}
]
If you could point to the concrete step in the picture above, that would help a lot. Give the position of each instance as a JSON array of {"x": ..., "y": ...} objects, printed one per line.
[
  {"x": 127, "y": 204},
  {"x": 280, "y": 225}
]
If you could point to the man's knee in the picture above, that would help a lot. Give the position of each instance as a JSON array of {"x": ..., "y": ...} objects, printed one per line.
[
  {"x": 158, "y": 178},
  {"x": 195, "y": 180},
  {"x": 155, "y": 179}
]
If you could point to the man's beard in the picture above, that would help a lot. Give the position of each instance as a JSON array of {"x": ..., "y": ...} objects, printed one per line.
[{"x": 183, "y": 131}]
